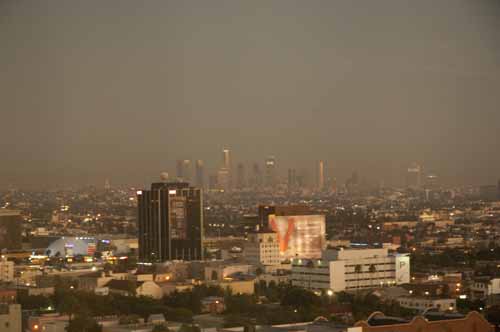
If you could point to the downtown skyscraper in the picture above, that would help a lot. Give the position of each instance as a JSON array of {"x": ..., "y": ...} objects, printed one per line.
[
  {"x": 170, "y": 222},
  {"x": 270, "y": 179},
  {"x": 199, "y": 176},
  {"x": 183, "y": 170},
  {"x": 320, "y": 176}
]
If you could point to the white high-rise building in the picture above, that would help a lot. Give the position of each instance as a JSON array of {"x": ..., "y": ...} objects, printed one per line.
[
  {"x": 262, "y": 248},
  {"x": 351, "y": 269}
]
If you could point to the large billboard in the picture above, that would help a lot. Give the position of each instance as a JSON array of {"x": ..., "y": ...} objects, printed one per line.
[{"x": 299, "y": 236}]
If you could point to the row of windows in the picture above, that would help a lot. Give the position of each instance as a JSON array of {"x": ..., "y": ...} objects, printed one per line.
[
  {"x": 312, "y": 273},
  {"x": 360, "y": 286},
  {"x": 377, "y": 271},
  {"x": 424, "y": 305},
  {"x": 364, "y": 279},
  {"x": 309, "y": 268},
  {"x": 311, "y": 281},
  {"x": 369, "y": 264}
]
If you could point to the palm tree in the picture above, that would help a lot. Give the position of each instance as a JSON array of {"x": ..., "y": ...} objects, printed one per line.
[
  {"x": 358, "y": 269},
  {"x": 372, "y": 269}
]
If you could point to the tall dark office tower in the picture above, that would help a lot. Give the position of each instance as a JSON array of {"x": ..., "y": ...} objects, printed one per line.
[
  {"x": 183, "y": 168},
  {"x": 226, "y": 171},
  {"x": 256, "y": 176},
  {"x": 170, "y": 222},
  {"x": 10, "y": 229},
  {"x": 212, "y": 182},
  {"x": 226, "y": 157},
  {"x": 270, "y": 171},
  {"x": 240, "y": 176},
  {"x": 199, "y": 175}
]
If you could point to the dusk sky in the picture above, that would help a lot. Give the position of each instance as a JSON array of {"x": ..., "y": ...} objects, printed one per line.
[{"x": 96, "y": 89}]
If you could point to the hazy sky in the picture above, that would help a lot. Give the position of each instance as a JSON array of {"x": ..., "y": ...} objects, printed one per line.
[{"x": 95, "y": 89}]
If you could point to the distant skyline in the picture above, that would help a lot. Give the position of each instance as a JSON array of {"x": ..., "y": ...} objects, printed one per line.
[{"x": 120, "y": 90}]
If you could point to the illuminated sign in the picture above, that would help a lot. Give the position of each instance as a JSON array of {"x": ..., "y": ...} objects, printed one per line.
[{"x": 299, "y": 236}]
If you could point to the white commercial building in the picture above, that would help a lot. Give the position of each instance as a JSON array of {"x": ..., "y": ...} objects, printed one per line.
[
  {"x": 351, "y": 269},
  {"x": 6, "y": 270},
  {"x": 262, "y": 248}
]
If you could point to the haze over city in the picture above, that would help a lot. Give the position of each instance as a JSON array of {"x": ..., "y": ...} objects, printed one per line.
[
  {"x": 250, "y": 166},
  {"x": 93, "y": 90}
]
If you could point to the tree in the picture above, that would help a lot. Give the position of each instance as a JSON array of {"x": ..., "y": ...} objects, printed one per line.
[
  {"x": 493, "y": 316},
  {"x": 132, "y": 287},
  {"x": 372, "y": 269},
  {"x": 189, "y": 328},
  {"x": 160, "y": 328},
  {"x": 30, "y": 302},
  {"x": 83, "y": 323},
  {"x": 69, "y": 305},
  {"x": 357, "y": 269},
  {"x": 240, "y": 304},
  {"x": 300, "y": 298},
  {"x": 130, "y": 319},
  {"x": 183, "y": 315},
  {"x": 259, "y": 271}
]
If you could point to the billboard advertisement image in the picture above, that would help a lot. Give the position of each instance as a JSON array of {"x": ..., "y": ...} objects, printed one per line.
[{"x": 299, "y": 236}]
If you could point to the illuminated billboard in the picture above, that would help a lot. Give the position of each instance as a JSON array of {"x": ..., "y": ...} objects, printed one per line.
[{"x": 299, "y": 236}]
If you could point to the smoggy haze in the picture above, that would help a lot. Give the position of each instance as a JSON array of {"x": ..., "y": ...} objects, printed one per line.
[{"x": 121, "y": 89}]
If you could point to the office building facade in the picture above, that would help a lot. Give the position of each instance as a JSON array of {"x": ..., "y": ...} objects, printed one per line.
[
  {"x": 270, "y": 179},
  {"x": 170, "y": 222},
  {"x": 351, "y": 269},
  {"x": 183, "y": 170},
  {"x": 10, "y": 229},
  {"x": 262, "y": 248},
  {"x": 320, "y": 180}
]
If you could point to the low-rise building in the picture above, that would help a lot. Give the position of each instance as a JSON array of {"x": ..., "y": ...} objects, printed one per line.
[
  {"x": 173, "y": 286},
  {"x": 351, "y": 269},
  {"x": 222, "y": 271},
  {"x": 131, "y": 287},
  {"x": 422, "y": 303},
  {"x": 213, "y": 305},
  {"x": 262, "y": 248},
  {"x": 8, "y": 296},
  {"x": 483, "y": 287},
  {"x": 53, "y": 322}
]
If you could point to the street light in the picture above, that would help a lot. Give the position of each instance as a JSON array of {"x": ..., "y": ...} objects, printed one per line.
[{"x": 329, "y": 292}]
